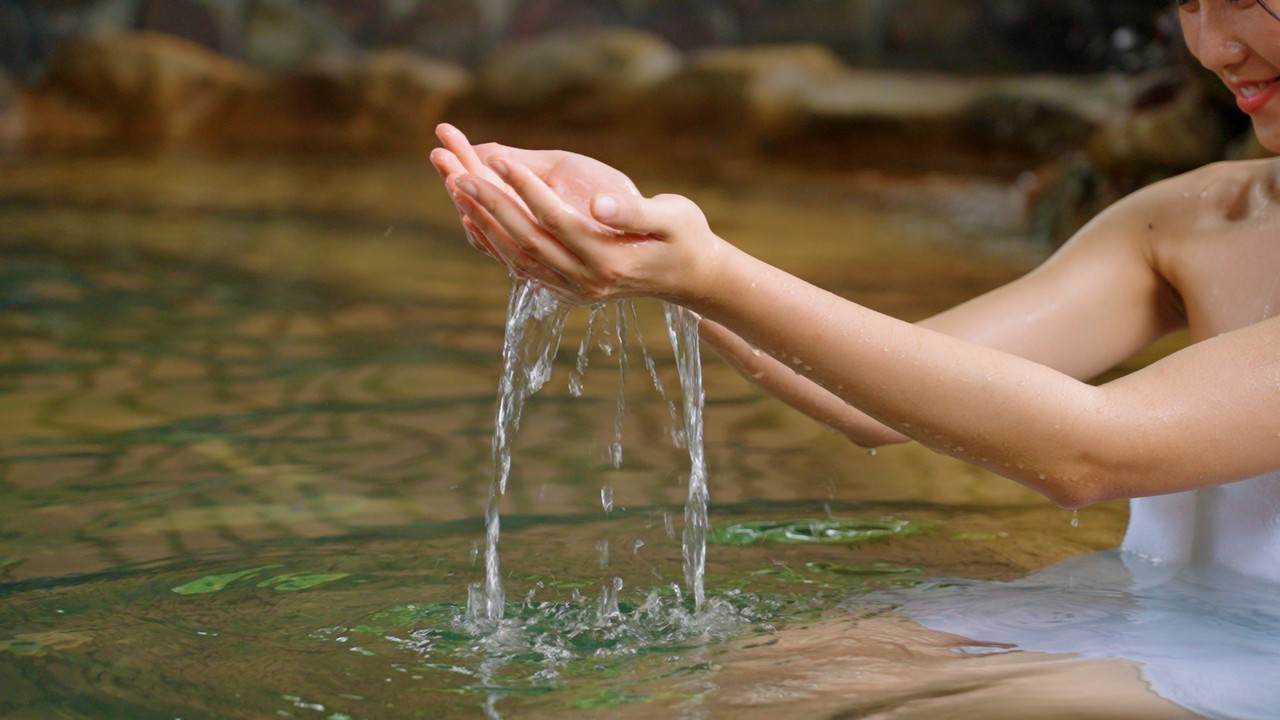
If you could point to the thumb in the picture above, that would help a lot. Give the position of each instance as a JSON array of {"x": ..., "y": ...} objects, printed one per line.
[{"x": 660, "y": 216}]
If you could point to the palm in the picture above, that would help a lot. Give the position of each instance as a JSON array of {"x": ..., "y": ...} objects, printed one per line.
[{"x": 575, "y": 178}]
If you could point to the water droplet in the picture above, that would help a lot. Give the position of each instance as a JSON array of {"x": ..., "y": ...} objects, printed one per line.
[
  {"x": 606, "y": 499},
  {"x": 1075, "y": 518},
  {"x": 668, "y": 524},
  {"x": 635, "y": 550},
  {"x": 602, "y": 552},
  {"x": 872, "y": 452},
  {"x": 615, "y": 455}
]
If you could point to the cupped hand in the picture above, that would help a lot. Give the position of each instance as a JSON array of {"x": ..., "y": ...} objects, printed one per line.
[
  {"x": 575, "y": 178},
  {"x": 572, "y": 223}
]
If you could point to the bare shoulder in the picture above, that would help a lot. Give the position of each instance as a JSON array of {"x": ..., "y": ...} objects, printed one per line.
[{"x": 1224, "y": 192}]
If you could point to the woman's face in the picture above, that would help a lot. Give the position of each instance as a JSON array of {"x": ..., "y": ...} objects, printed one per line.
[{"x": 1239, "y": 40}]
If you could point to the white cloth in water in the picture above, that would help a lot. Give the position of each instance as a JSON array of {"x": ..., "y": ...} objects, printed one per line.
[
  {"x": 1236, "y": 527},
  {"x": 1209, "y": 641}
]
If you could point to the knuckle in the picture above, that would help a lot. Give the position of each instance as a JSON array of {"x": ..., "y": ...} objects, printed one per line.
[
  {"x": 554, "y": 222},
  {"x": 526, "y": 241}
]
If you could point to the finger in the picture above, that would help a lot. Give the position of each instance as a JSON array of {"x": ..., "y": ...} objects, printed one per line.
[
  {"x": 456, "y": 142},
  {"x": 446, "y": 163},
  {"x": 512, "y": 235},
  {"x": 660, "y": 216},
  {"x": 552, "y": 212},
  {"x": 476, "y": 237}
]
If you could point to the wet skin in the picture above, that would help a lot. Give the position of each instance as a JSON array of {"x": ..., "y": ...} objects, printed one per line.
[{"x": 1000, "y": 380}]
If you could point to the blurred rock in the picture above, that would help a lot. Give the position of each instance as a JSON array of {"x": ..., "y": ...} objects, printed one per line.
[
  {"x": 9, "y": 99},
  {"x": 452, "y": 30},
  {"x": 361, "y": 21},
  {"x": 143, "y": 89},
  {"x": 24, "y": 39},
  {"x": 693, "y": 25},
  {"x": 11, "y": 111},
  {"x": 749, "y": 94},
  {"x": 284, "y": 34},
  {"x": 389, "y": 100},
  {"x": 93, "y": 17},
  {"x": 215, "y": 25},
  {"x": 590, "y": 76},
  {"x": 535, "y": 18}
]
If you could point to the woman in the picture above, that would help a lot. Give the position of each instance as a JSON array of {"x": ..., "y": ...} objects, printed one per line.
[{"x": 1000, "y": 380}]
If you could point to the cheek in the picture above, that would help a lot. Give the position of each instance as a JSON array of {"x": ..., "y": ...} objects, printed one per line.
[{"x": 1190, "y": 34}]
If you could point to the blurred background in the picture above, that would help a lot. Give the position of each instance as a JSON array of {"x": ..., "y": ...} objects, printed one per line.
[{"x": 1097, "y": 97}]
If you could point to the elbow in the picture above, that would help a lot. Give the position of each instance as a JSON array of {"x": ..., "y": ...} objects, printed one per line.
[
  {"x": 874, "y": 439},
  {"x": 1072, "y": 498},
  {"x": 1083, "y": 484}
]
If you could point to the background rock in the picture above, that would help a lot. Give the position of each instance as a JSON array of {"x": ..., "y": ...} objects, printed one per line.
[
  {"x": 284, "y": 34},
  {"x": 587, "y": 76},
  {"x": 215, "y": 25},
  {"x": 146, "y": 89},
  {"x": 746, "y": 93},
  {"x": 388, "y": 100}
]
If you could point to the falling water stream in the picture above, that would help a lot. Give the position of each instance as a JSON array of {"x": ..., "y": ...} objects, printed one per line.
[{"x": 534, "y": 329}]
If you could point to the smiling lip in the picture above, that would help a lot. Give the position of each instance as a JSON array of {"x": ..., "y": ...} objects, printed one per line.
[{"x": 1251, "y": 97}]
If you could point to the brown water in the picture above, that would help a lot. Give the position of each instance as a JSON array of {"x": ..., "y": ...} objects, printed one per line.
[{"x": 245, "y": 418}]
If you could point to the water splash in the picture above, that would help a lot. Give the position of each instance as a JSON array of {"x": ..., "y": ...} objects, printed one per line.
[{"x": 535, "y": 326}]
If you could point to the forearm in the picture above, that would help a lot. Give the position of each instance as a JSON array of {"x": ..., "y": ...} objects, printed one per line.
[
  {"x": 796, "y": 390},
  {"x": 1005, "y": 413}
]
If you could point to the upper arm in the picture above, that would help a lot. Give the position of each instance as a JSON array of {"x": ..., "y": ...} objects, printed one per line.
[{"x": 1096, "y": 302}]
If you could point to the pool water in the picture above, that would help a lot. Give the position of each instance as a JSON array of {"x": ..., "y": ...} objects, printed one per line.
[{"x": 246, "y": 410}]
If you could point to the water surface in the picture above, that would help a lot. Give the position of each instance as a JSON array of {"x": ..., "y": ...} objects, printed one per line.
[{"x": 245, "y": 421}]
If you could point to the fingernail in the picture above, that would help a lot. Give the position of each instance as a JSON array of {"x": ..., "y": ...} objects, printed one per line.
[
  {"x": 604, "y": 207},
  {"x": 468, "y": 187},
  {"x": 500, "y": 167}
]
